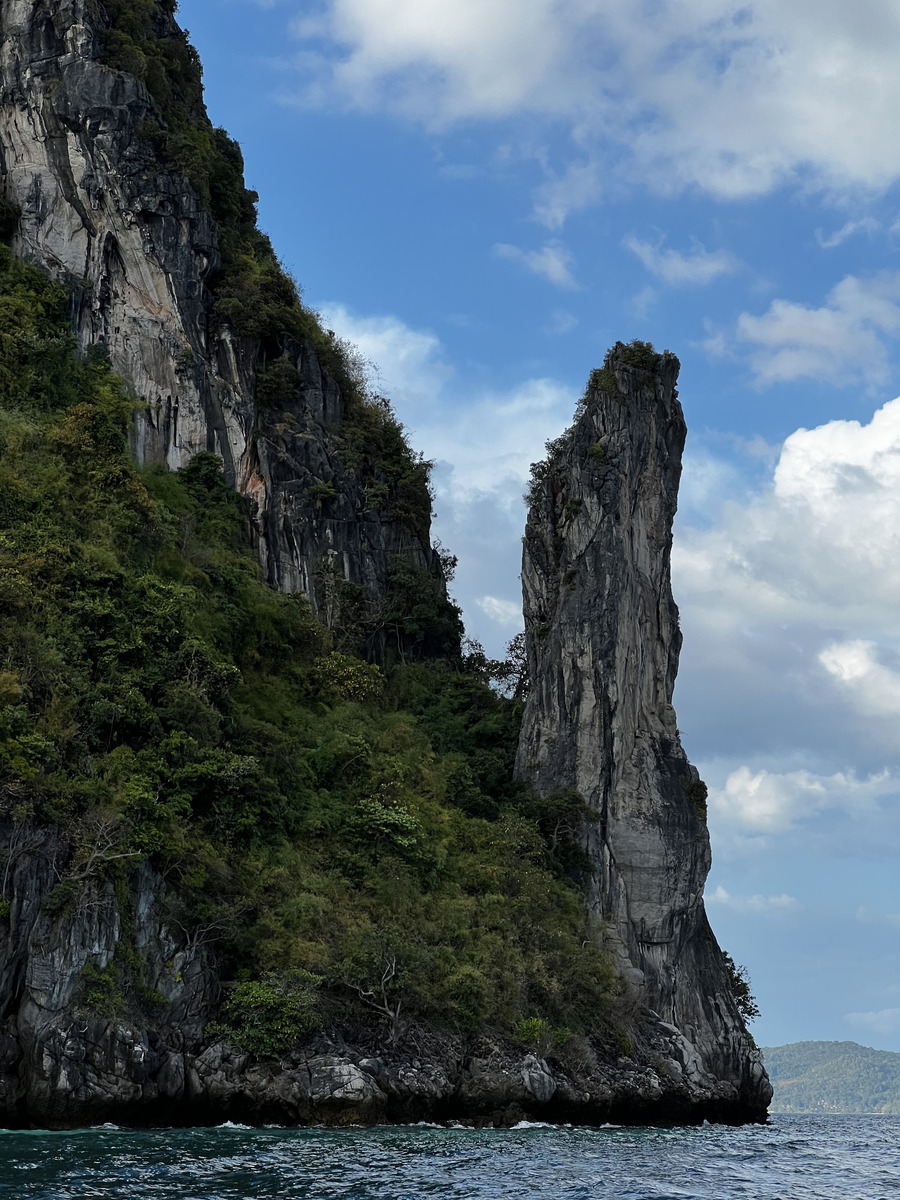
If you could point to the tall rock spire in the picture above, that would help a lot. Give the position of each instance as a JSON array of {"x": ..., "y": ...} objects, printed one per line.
[{"x": 603, "y": 643}]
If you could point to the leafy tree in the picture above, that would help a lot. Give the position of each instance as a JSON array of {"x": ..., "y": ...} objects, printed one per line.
[
  {"x": 268, "y": 1016},
  {"x": 739, "y": 983}
]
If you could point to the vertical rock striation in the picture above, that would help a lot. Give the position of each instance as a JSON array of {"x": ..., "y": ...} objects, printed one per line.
[
  {"x": 59, "y": 1065},
  {"x": 603, "y": 643},
  {"x": 130, "y": 238}
]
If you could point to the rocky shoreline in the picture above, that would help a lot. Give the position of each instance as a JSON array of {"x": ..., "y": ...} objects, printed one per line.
[
  {"x": 66, "y": 1064},
  {"x": 490, "y": 1084},
  {"x": 109, "y": 1072}
]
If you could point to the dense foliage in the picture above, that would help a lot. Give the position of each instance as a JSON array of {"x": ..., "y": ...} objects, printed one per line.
[
  {"x": 833, "y": 1077},
  {"x": 351, "y": 842},
  {"x": 737, "y": 976}
]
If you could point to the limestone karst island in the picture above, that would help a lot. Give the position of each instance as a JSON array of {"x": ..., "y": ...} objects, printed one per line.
[{"x": 276, "y": 842}]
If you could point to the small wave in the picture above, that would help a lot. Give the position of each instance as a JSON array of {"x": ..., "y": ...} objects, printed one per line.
[{"x": 233, "y": 1125}]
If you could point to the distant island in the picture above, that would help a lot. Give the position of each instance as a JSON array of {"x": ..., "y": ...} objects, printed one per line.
[{"x": 833, "y": 1077}]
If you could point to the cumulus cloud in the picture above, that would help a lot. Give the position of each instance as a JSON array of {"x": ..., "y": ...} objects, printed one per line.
[
  {"x": 504, "y": 612},
  {"x": 757, "y": 905},
  {"x": 408, "y": 361},
  {"x": 818, "y": 544},
  {"x": 552, "y": 262},
  {"x": 770, "y": 802},
  {"x": 788, "y": 600},
  {"x": 873, "y": 686},
  {"x": 700, "y": 266},
  {"x": 735, "y": 98},
  {"x": 839, "y": 342},
  {"x": 885, "y": 1020}
]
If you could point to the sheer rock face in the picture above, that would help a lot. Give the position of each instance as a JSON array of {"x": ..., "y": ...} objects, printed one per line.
[
  {"x": 603, "y": 644},
  {"x": 132, "y": 242},
  {"x": 61, "y": 1062}
]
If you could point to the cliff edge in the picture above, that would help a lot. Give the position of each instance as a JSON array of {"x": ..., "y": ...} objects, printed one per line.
[{"x": 603, "y": 642}]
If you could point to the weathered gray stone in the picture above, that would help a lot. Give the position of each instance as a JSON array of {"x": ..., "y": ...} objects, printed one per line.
[
  {"x": 61, "y": 1064},
  {"x": 539, "y": 1083},
  {"x": 603, "y": 643}
]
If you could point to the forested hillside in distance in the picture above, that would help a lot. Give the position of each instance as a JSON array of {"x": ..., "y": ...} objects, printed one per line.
[
  {"x": 349, "y": 838},
  {"x": 833, "y": 1077}
]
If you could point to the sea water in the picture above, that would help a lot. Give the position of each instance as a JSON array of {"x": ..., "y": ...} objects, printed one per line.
[{"x": 791, "y": 1158}]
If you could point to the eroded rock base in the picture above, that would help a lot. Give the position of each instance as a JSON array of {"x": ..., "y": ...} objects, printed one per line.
[{"x": 101, "y": 1071}]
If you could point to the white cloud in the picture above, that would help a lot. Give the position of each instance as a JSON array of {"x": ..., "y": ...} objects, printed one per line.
[
  {"x": 488, "y": 438},
  {"x": 579, "y": 187},
  {"x": 504, "y": 612},
  {"x": 756, "y": 905},
  {"x": 839, "y": 342},
  {"x": 699, "y": 267},
  {"x": 552, "y": 262},
  {"x": 561, "y": 322},
  {"x": 865, "y": 225},
  {"x": 407, "y": 360},
  {"x": 885, "y": 1020},
  {"x": 873, "y": 687},
  {"x": 768, "y": 802},
  {"x": 790, "y": 677},
  {"x": 818, "y": 545},
  {"x": 734, "y": 97},
  {"x": 642, "y": 302},
  {"x": 868, "y": 918}
]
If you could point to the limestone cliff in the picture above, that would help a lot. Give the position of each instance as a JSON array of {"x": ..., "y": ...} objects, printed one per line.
[
  {"x": 130, "y": 234},
  {"x": 65, "y": 1062},
  {"x": 58, "y": 1065},
  {"x": 603, "y": 642},
  {"x": 132, "y": 239}
]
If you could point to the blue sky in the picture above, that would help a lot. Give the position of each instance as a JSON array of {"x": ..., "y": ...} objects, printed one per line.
[{"x": 484, "y": 195}]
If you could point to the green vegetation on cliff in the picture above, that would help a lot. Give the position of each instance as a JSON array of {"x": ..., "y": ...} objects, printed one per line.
[
  {"x": 252, "y": 294},
  {"x": 350, "y": 840},
  {"x": 833, "y": 1077}
]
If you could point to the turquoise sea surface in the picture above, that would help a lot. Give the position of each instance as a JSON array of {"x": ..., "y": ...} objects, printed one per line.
[{"x": 792, "y": 1158}]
